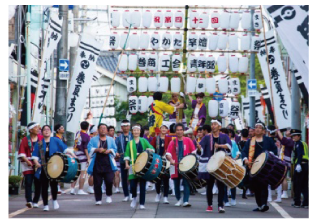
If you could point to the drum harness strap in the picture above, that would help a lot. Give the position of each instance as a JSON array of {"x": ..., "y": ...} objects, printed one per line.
[
  {"x": 196, "y": 127},
  {"x": 252, "y": 149},
  {"x": 132, "y": 156},
  {"x": 42, "y": 156}
]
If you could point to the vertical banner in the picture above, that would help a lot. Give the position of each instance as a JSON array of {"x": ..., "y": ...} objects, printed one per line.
[
  {"x": 280, "y": 91},
  {"x": 245, "y": 108},
  {"x": 84, "y": 70}
]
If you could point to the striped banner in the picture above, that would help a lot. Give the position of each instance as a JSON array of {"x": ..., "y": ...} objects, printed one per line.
[{"x": 265, "y": 94}]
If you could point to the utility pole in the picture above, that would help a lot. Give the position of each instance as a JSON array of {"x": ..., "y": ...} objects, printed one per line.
[
  {"x": 28, "y": 64},
  {"x": 73, "y": 50},
  {"x": 296, "y": 109},
  {"x": 252, "y": 76}
]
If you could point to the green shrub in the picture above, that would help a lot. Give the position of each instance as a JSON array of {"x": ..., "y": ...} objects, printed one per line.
[{"x": 14, "y": 181}]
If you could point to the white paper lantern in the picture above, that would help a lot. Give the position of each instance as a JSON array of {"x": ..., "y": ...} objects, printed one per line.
[
  {"x": 158, "y": 19},
  {"x": 136, "y": 18},
  {"x": 98, "y": 103},
  {"x": 223, "y": 108},
  {"x": 233, "y": 42},
  {"x": 192, "y": 41},
  {"x": 106, "y": 112},
  {"x": 165, "y": 62},
  {"x": 234, "y": 20},
  {"x": 210, "y": 64},
  {"x": 191, "y": 84},
  {"x": 176, "y": 62},
  {"x": 234, "y": 110},
  {"x": 93, "y": 103},
  {"x": 134, "y": 41},
  {"x": 115, "y": 18},
  {"x": 102, "y": 101},
  {"x": 223, "y": 85},
  {"x": 87, "y": 103},
  {"x": 144, "y": 41},
  {"x": 126, "y": 18},
  {"x": 166, "y": 40},
  {"x": 245, "y": 42},
  {"x": 155, "y": 40},
  {"x": 203, "y": 41},
  {"x": 93, "y": 93},
  {"x": 113, "y": 122},
  {"x": 168, "y": 19},
  {"x": 146, "y": 19},
  {"x": 131, "y": 84},
  {"x": 152, "y": 84},
  {"x": 257, "y": 20},
  {"x": 123, "y": 40},
  {"x": 235, "y": 86},
  {"x": 202, "y": 63},
  {"x": 175, "y": 84},
  {"x": 143, "y": 61},
  {"x": 214, "y": 19},
  {"x": 110, "y": 101},
  {"x": 153, "y": 62},
  {"x": 243, "y": 64},
  {"x": 204, "y": 20},
  {"x": 211, "y": 85},
  {"x": 114, "y": 40},
  {"x": 90, "y": 30},
  {"x": 192, "y": 63},
  {"x": 97, "y": 91},
  {"x": 150, "y": 101},
  {"x": 73, "y": 39},
  {"x": 177, "y": 40},
  {"x": 256, "y": 43},
  {"x": 142, "y": 104},
  {"x": 213, "y": 41},
  {"x": 123, "y": 63},
  {"x": 111, "y": 111},
  {"x": 143, "y": 84},
  {"x": 178, "y": 19},
  {"x": 133, "y": 104},
  {"x": 222, "y": 63},
  {"x": 201, "y": 85},
  {"x": 246, "y": 20},
  {"x": 222, "y": 41},
  {"x": 224, "y": 20},
  {"x": 194, "y": 19},
  {"x": 233, "y": 63},
  {"x": 213, "y": 108},
  {"x": 163, "y": 84},
  {"x": 107, "y": 121}
]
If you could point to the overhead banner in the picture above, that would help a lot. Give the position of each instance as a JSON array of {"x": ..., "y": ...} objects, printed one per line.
[
  {"x": 292, "y": 25},
  {"x": 84, "y": 70},
  {"x": 281, "y": 93}
]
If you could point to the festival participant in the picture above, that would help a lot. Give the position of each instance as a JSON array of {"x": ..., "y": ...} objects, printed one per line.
[
  {"x": 199, "y": 114},
  {"x": 241, "y": 144},
  {"x": 211, "y": 143},
  {"x": 133, "y": 148},
  {"x": 92, "y": 133},
  {"x": 41, "y": 154},
  {"x": 301, "y": 172},
  {"x": 172, "y": 134},
  {"x": 26, "y": 148},
  {"x": 102, "y": 148},
  {"x": 121, "y": 142},
  {"x": 116, "y": 181},
  {"x": 206, "y": 129},
  {"x": 254, "y": 147},
  {"x": 60, "y": 130},
  {"x": 251, "y": 132},
  {"x": 175, "y": 102},
  {"x": 178, "y": 148},
  {"x": 111, "y": 131},
  {"x": 160, "y": 144},
  {"x": 199, "y": 136},
  {"x": 147, "y": 134}
]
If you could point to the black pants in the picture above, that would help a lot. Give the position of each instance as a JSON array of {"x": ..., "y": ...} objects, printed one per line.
[
  {"x": 98, "y": 178},
  {"x": 221, "y": 191},
  {"x": 133, "y": 186},
  {"x": 29, "y": 179},
  {"x": 45, "y": 182},
  {"x": 124, "y": 177},
  {"x": 261, "y": 191},
  {"x": 301, "y": 185},
  {"x": 165, "y": 179}
]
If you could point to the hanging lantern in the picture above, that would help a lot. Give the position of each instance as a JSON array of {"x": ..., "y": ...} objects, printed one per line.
[
  {"x": 113, "y": 122},
  {"x": 175, "y": 84},
  {"x": 235, "y": 86},
  {"x": 107, "y": 121},
  {"x": 163, "y": 84},
  {"x": 143, "y": 62},
  {"x": 165, "y": 62},
  {"x": 213, "y": 108},
  {"x": 123, "y": 40},
  {"x": 201, "y": 85},
  {"x": 256, "y": 42},
  {"x": 158, "y": 19},
  {"x": 234, "y": 110},
  {"x": 210, "y": 64},
  {"x": 110, "y": 101},
  {"x": 131, "y": 84},
  {"x": 146, "y": 19},
  {"x": 223, "y": 85},
  {"x": 111, "y": 111},
  {"x": 168, "y": 19},
  {"x": 144, "y": 41},
  {"x": 114, "y": 40},
  {"x": 257, "y": 20},
  {"x": 87, "y": 103},
  {"x": 204, "y": 20},
  {"x": 133, "y": 104},
  {"x": 223, "y": 108},
  {"x": 213, "y": 41},
  {"x": 106, "y": 112},
  {"x": 214, "y": 19},
  {"x": 166, "y": 40},
  {"x": 178, "y": 19},
  {"x": 191, "y": 84},
  {"x": 152, "y": 84},
  {"x": 243, "y": 64},
  {"x": 134, "y": 41},
  {"x": 222, "y": 41},
  {"x": 194, "y": 19},
  {"x": 153, "y": 62},
  {"x": 123, "y": 63},
  {"x": 136, "y": 18},
  {"x": 177, "y": 40},
  {"x": 115, "y": 18},
  {"x": 143, "y": 84},
  {"x": 234, "y": 20},
  {"x": 233, "y": 42},
  {"x": 93, "y": 93},
  {"x": 142, "y": 104},
  {"x": 73, "y": 39},
  {"x": 224, "y": 20},
  {"x": 245, "y": 42},
  {"x": 233, "y": 63},
  {"x": 176, "y": 62},
  {"x": 211, "y": 85},
  {"x": 126, "y": 20},
  {"x": 102, "y": 101},
  {"x": 202, "y": 61},
  {"x": 203, "y": 41},
  {"x": 155, "y": 40},
  {"x": 97, "y": 91},
  {"x": 192, "y": 62},
  {"x": 222, "y": 63},
  {"x": 150, "y": 101},
  {"x": 246, "y": 20},
  {"x": 93, "y": 103},
  {"x": 192, "y": 41}
]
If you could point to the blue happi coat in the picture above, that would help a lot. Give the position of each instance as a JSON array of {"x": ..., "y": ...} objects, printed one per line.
[{"x": 121, "y": 146}]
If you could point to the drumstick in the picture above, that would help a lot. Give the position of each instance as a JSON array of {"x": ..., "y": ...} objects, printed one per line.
[{"x": 254, "y": 162}]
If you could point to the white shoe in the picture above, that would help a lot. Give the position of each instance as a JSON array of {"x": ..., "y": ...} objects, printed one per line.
[
  {"x": 142, "y": 207},
  {"x": 131, "y": 197},
  {"x": 269, "y": 199},
  {"x": 153, "y": 188},
  {"x": 98, "y": 203},
  {"x": 215, "y": 191},
  {"x": 35, "y": 205},
  {"x": 72, "y": 192},
  {"x": 108, "y": 199},
  {"x": 233, "y": 202},
  {"x": 203, "y": 193},
  {"x": 165, "y": 200},
  {"x": 56, "y": 205},
  {"x": 284, "y": 195},
  {"x": 157, "y": 198},
  {"x": 117, "y": 190},
  {"x": 90, "y": 190},
  {"x": 133, "y": 203},
  {"x": 126, "y": 199},
  {"x": 278, "y": 200},
  {"x": 173, "y": 193},
  {"x": 81, "y": 192},
  {"x": 46, "y": 208},
  {"x": 186, "y": 204},
  {"x": 179, "y": 203},
  {"x": 181, "y": 188},
  {"x": 103, "y": 191},
  {"x": 227, "y": 204}
]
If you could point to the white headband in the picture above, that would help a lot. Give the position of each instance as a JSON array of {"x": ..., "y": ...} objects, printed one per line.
[
  {"x": 271, "y": 131},
  {"x": 260, "y": 125},
  {"x": 33, "y": 126},
  {"x": 216, "y": 121},
  {"x": 136, "y": 127},
  {"x": 125, "y": 124}
]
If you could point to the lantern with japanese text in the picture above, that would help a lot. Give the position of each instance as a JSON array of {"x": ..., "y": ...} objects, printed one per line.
[
  {"x": 110, "y": 101},
  {"x": 243, "y": 64},
  {"x": 201, "y": 85},
  {"x": 203, "y": 41},
  {"x": 163, "y": 84},
  {"x": 131, "y": 84},
  {"x": 222, "y": 41},
  {"x": 150, "y": 101},
  {"x": 97, "y": 91},
  {"x": 175, "y": 84},
  {"x": 158, "y": 19},
  {"x": 176, "y": 62},
  {"x": 144, "y": 41},
  {"x": 257, "y": 20},
  {"x": 143, "y": 61},
  {"x": 234, "y": 110},
  {"x": 166, "y": 40},
  {"x": 114, "y": 40},
  {"x": 93, "y": 93},
  {"x": 134, "y": 41},
  {"x": 213, "y": 41},
  {"x": 123, "y": 63},
  {"x": 192, "y": 62},
  {"x": 222, "y": 63},
  {"x": 111, "y": 111},
  {"x": 165, "y": 62},
  {"x": 93, "y": 103},
  {"x": 210, "y": 64},
  {"x": 126, "y": 18},
  {"x": 233, "y": 63},
  {"x": 233, "y": 42},
  {"x": 255, "y": 43},
  {"x": 246, "y": 20},
  {"x": 133, "y": 104},
  {"x": 235, "y": 85},
  {"x": 153, "y": 62},
  {"x": 142, "y": 104},
  {"x": 155, "y": 40},
  {"x": 245, "y": 42},
  {"x": 223, "y": 85},
  {"x": 178, "y": 19},
  {"x": 213, "y": 108},
  {"x": 136, "y": 18},
  {"x": 106, "y": 112},
  {"x": 194, "y": 19},
  {"x": 177, "y": 40},
  {"x": 102, "y": 101},
  {"x": 115, "y": 18},
  {"x": 211, "y": 85},
  {"x": 214, "y": 19},
  {"x": 204, "y": 20},
  {"x": 168, "y": 19},
  {"x": 202, "y": 63},
  {"x": 192, "y": 41},
  {"x": 146, "y": 19},
  {"x": 152, "y": 84},
  {"x": 234, "y": 20},
  {"x": 143, "y": 84},
  {"x": 223, "y": 108},
  {"x": 123, "y": 40},
  {"x": 191, "y": 84},
  {"x": 224, "y": 20}
]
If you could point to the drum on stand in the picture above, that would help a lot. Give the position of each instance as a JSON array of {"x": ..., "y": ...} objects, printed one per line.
[
  {"x": 188, "y": 168},
  {"x": 63, "y": 168},
  {"x": 269, "y": 169},
  {"x": 226, "y": 169}
]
